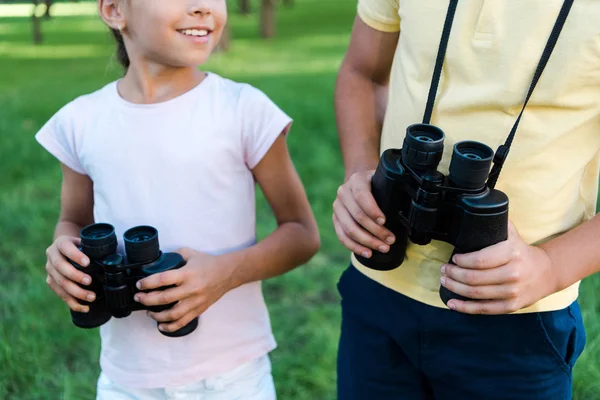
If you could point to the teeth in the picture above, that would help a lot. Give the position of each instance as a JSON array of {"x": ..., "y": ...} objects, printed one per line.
[{"x": 195, "y": 32}]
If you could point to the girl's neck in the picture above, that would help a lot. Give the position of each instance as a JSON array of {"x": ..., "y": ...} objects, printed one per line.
[{"x": 148, "y": 83}]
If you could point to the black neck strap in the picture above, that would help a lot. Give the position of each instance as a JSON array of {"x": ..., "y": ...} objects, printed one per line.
[
  {"x": 503, "y": 150},
  {"x": 439, "y": 62}
]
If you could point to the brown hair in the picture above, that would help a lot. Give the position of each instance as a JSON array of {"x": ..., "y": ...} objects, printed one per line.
[{"x": 122, "y": 55}]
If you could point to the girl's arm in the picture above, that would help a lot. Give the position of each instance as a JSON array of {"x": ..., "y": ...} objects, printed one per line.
[
  {"x": 296, "y": 238},
  {"x": 77, "y": 204},
  {"x": 206, "y": 278}
]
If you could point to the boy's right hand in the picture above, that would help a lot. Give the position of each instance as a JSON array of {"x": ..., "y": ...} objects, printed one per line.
[
  {"x": 63, "y": 278},
  {"x": 357, "y": 219}
]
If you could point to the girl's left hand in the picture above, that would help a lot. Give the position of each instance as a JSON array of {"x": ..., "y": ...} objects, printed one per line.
[
  {"x": 198, "y": 285},
  {"x": 503, "y": 278}
]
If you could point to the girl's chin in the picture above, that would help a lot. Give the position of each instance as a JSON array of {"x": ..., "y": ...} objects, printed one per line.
[{"x": 189, "y": 62}]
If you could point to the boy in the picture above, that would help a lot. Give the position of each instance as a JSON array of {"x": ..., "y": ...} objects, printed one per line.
[{"x": 399, "y": 340}]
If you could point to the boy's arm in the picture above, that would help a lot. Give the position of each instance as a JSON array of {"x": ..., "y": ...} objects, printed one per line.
[
  {"x": 361, "y": 95},
  {"x": 574, "y": 255},
  {"x": 360, "y": 101}
]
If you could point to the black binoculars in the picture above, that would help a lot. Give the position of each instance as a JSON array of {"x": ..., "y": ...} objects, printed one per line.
[
  {"x": 114, "y": 276},
  {"x": 422, "y": 204}
]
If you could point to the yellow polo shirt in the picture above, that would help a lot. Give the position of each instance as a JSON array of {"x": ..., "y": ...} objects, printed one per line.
[{"x": 551, "y": 173}]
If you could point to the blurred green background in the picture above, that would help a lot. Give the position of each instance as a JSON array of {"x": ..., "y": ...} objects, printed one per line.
[{"x": 42, "y": 356}]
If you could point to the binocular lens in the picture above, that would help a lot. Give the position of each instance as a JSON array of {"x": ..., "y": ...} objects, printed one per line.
[
  {"x": 141, "y": 244},
  {"x": 424, "y": 139},
  {"x": 423, "y": 146},
  {"x": 473, "y": 156},
  {"x": 470, "y": 164},
  {"x": 98, "y": 240},
  {"x": 141, "y": 238}
]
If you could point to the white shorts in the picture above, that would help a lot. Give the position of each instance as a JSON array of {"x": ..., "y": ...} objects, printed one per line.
[{"x": 250, "y": 381}]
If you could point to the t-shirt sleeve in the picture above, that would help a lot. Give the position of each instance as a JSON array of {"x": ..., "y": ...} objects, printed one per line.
[
  {"x": 59, "y": 137},
  {"x": 382, "y": 15},
  {"x": 263, "y": 122}
]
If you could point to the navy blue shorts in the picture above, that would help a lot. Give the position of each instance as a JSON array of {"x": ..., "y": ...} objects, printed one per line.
[{"x": 393, "y": 347}]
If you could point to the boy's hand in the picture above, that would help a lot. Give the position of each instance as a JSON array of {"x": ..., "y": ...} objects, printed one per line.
[
  {"x": 357, "y": 219},
  {"x": 198, "y": 285},
  {"x": 63, "y": 277},
  {"x": 505, "y": 277}
]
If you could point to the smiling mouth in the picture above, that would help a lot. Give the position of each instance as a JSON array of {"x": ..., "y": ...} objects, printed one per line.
[{"x": 194, "y": 32}]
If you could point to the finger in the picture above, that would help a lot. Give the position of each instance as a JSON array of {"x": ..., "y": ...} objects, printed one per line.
[
  {"x": 481, "y": 277},
  {"x": 174, "y": 313},
  {"x": 161, "y": 297},
  {"x": 489, "y": 292},
  {"x": 69, "y": 286},
  {"x": 67, "y": 298},
  {"x": 512, "y": 230},
  {"x": 64, "y": 268},
  {"x": 186, "y": 253},
  {"x": 349, "y": 243},
  {"x": 168, "y": 278},
  {"x": 178, "y": 324},
  {"x": 490, "y": 257},
  {"x": 361, "y": 191},
  {"x": 69, "y": 250},
  {"x": 363, "y": 219},
  {"x": 58, "y": 290},
  {"x": 355, "y": 232},
  {"x": 491, "y": 307}
]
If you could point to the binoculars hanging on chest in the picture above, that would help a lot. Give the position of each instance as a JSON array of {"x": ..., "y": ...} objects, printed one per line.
[{"x": 421, "y": 204}]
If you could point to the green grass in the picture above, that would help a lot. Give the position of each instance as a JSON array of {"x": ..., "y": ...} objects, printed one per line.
[{"x": 41, "y": 355}]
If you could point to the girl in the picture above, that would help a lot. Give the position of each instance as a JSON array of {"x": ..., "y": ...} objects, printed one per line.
[{"x": 180, "y": 149}]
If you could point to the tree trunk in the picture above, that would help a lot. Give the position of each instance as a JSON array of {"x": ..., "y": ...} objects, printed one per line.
[
  {"x": 48, "y": 5},
  {"x": 245, "y": 7},
  {"x": 267, "y": 19},
  {"x": 36, "y": 25}
]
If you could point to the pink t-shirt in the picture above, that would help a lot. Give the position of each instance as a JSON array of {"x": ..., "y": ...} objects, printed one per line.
[{"x": 184, "y": 167}]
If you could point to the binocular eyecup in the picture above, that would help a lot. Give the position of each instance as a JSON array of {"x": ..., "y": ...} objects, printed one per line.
[
  {"x": 423, "y": 147},
  {"x": 470, "y": 164}
]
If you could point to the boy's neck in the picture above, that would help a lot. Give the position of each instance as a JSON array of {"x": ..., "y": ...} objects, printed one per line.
[{"x": 152, "y": 83}]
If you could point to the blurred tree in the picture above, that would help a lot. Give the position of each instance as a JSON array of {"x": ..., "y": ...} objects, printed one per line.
[
  {"x": 288, "y": 3},
  {"x": 36, "y": 24},
  {"x": 48, "y": 4},
  {"x": 38, "y": 37},
  {"x": 267, "y": 19},
  {"x": 245, "y": 8}
]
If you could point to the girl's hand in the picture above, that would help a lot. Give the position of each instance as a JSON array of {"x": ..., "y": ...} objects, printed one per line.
[
  {"x": 63, "y": 278},
  {"x": 199, "y": 284},
  {"x": 504, "y": 278}
]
